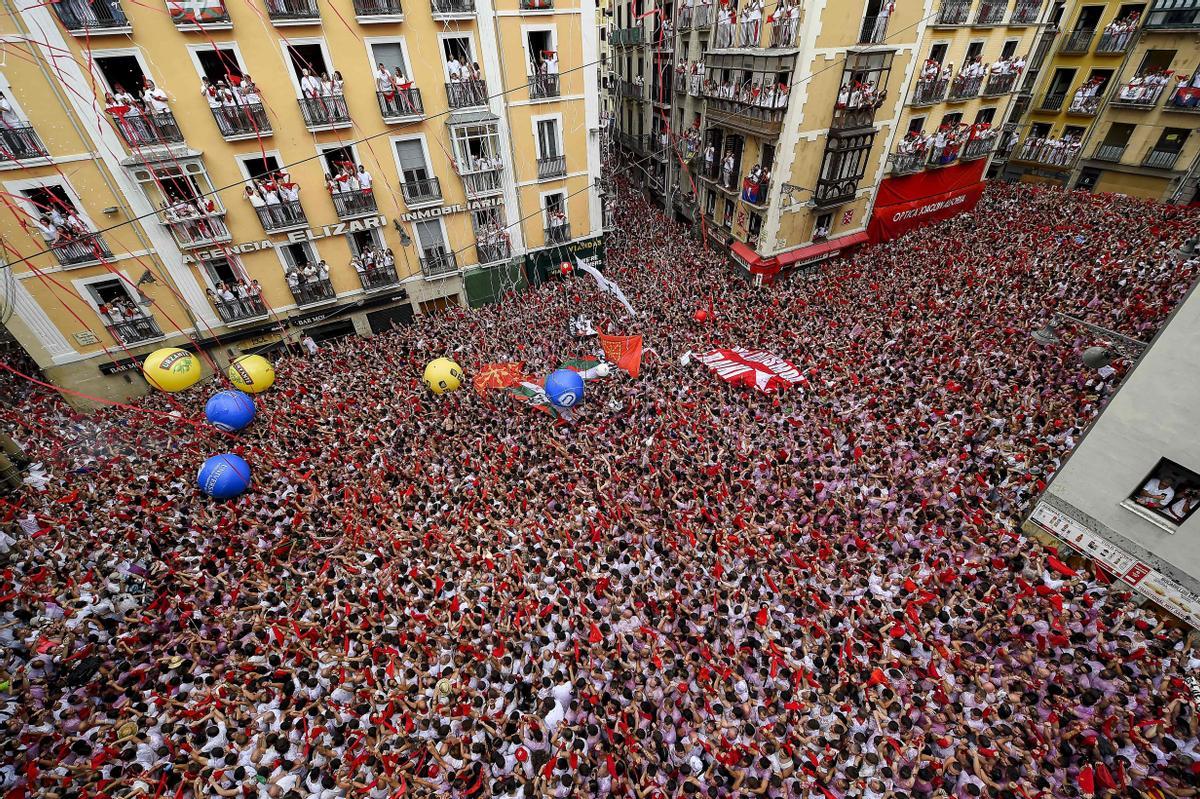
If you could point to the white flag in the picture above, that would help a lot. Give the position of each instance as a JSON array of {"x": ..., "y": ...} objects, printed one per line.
[{"x": 605, "y": 285}]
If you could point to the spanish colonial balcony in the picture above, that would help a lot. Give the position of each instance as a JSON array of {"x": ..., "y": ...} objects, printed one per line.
[
  {"x": 325, "y": 113},
  {"x": 554, "y": 166},
  {"x": 91, "y": 17},
  {"x": 944, "y": 156},
  {"x": 930, "y": 90},
  {"x": 1114, "y": 43},
  {"x": 953, "y": 12},
  {"x": 906, "y": 163},
  {"x": 351, "y": 204},
  {"x": 681, "y": 82},
  {"x": 543, "y": 87},
  {"x": 726, "y": 36},
  {"x": 537, "y": 5},
  {"x": 418, "y": 192},
  {"x": 1160, "y": 159},
  {"x": 1078, "y": 41},
  {"x": 86, "y": 249},
  {"x": 835, "y": 191},
  {"x": 481, "y": 182},
  {"x": 1000, "y": 84},
  {"x": 400, "y": 105},
  {"x": 293, "y": 12},
  {"x": 991, "y": 12},
  {"x": 20, "y": 143},
  {"x": 964, "y": 88},
  {"x": 201, "y": 230},
  {"x": 467, "y": 93},
  {"x": 1111, "y": 153},
  {"x": 242, "y": 121},
  {"x": 851, "y": 118},
  {"x": 281, "y": 216},
  {"x": 374, "y": 278},
  {"x": 185, "y": 15},
  {"x": 134, "y": 329},
  {"x": 976, "y": 149},
  {"x": 874, "y": 30},
  {"x": 239, "y": 309},
  {"x": 1138, "y": 97},
  {"x": 492, "y": 252},
  {"x": 368, "y": 11},
  {"x": 312, "y": 291},
  {"x": 436, "y": 261},
  {"x": 452, "y": 9},
  {"x": 148, "y": 129},
  {"x": 1025, "y": 12},
  {"x": 628, "y": 36},
  {"x": 1053, "y": 102},
  {"x": 558, "y": 234},
  {"x": 1053, "y": 154},
  {"x": 1184, "y": 99}
]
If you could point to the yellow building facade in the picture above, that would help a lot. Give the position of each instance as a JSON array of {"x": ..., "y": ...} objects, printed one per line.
[{"x": 213, "y": 174}]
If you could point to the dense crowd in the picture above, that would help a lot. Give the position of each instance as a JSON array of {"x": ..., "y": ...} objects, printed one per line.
[{"x": 693, "y": 590}]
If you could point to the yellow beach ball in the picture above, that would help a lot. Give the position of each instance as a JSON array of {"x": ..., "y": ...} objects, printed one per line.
[
  {"x": 172, "y": 369},
  {"x": 252, "y": 373},
  {"x": 443, "y": 376}
]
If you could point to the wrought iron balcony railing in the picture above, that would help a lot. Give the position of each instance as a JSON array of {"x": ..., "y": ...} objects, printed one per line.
[
  {"x": 977, "y": 148},
  {"x": 1078, "y": 41},
  {"x": 945, "y": 155},
  {"x": 467, "y": 93},
  {"x": 442, "y": 9},
  {"x": 1050, "y": 153},
  {"x": 558, "y": 234},
  {"x": 1053, "y": 102},
  {"x": 84, "y": 249},
  {"x": 784, "y": 30},
  {"x": 542, "y": 87},
  {"x": 311, "y": 291},
  {"x": 134, "y": 329},
  {"x": 999, "y": 84},
  {"x": 281, "y": 215},
  {"x": 20, "y": 142},
  {"x": 244, "y": 119},
  {"x": 239, "y": 309},
  {"x": 91, "y": 16},
  {"x": 198, "y": 231},
  {"x": 906, "y": 163},
  {"x": 481, "y": 183},
  {"x": 424, "y": 190},
  {"x": 401, "y": 104},
  {"x": 1109, "y": 152},
  {"x": 148, "y": 129},
  {"x": 187, "y": 17},
  {"x": 378, "y": 8},
  {"x": 1160, "y": 159},
  {"x": 930, "y": 90},
  {"x": 1184, "y": 99},
  {"x": 964, "y": 88},
  {"x": 953, "y": 12},
  {"x": 325, "y": 112},
  {"x": 293, "y": 10},
  {"x": 874, "y": 30},
  {"x": 537, "y": 5},
  {"x": 991, "y": 12},
  {"x": 553, "y": 166},
  {"x": 378, "y": 277},
  {"x": 1143, "y": 97},
  {"x": 1115, "y": 43},
  {"x": 1025, "y": 12},
  {"x": 492, "y": 252},
  {"x": 438, "y": 261},
  {"x": 350, "y": 204}
]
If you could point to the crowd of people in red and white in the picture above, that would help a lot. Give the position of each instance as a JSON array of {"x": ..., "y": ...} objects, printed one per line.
[{"x": 693, "y": 590}]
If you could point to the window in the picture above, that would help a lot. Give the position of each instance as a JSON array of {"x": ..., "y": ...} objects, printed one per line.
[
  {"x": 430, "y": 238},
  {"x": 1061, "y": 82},
  {"x": 298, "y": 255},
  {"x": 938, "y": 52},
  {"x": 555, "y": 204},
  {"x": 413, "y": 166},
  {"x": 916, "y": 124},
  {"x": 547, "y": 138},
  {"x": 1171, "y": 140},
  {"x": 106, "y": 293},
  {"x": 727, "y": 215},
  {"x": 1156, "y": 61},
  {"x": 1010, "y": 48},
  {"x": 1118, "y": 134},
  {"x": 822, "y": 226},
  {"x": 122, "y": 73},
  {"x": 50, "y": 201},
  {"x": 181, "y": 181},
  {"x": 391, "y": 55},
  {"x": 974, "y": 50},
  {"x": 1089, "y": 18},
  {"x": 710, "y": 204},
  {"x": 1170, "y": 492},
  {"x": 539, "y": 48},
  {"x": 844, "y": 166},
  {"x": 218, "y": 63},
  {"x": 361, "y": 240},
  {"x": 985, "y": 116},
  {"x": 476, "y": 147},
  {"x": 310, "y": 57},
  {"x": 766, "y": 156},
  {"x": 337, "y": 158},
  {"x": 223, "y": 270},
  {"x": 754, "y": 226},
  {"x": 259, "y": 166},
  {"x": 457, "y": 50},
  {"x": 1039, "y": 130},
  {"x": 952, "y": 121}
]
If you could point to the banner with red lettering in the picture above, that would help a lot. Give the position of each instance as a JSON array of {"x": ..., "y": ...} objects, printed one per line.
[
  {"x": 905, "y": 203},
  {"x": 751, "y": 368}
]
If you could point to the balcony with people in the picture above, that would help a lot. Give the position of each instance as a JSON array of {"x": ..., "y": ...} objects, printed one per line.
[
  {"x": 756, "y": 186},
  {"x": 375, "y": 267},
  {"x": 746, "y": 92},
  {"x": 195, "y": 222},
  {"x": 492, "y": 244},
  {"x": 437, "y": 261},
  {"x": 237, "y": 108},
  {"x": 293, "y": 12},
  {"x": 875, "y": 23},
  {"x": 190, "y": 16},
  {"x": 350, "y": 188},
  {"x": 558, "y": 230},
  {"x": 856, "y": 105},
  {"x": 1087, "y": 98},
  {"x": 1119, "y": 34},
  {"x": 91, "y": 17},
  {"x": 981, "y": 141},
  {"x": 543, "y": 86},
  {"x": 323, "y": 101},
  {"x": 536, "y": 5},
  {"x": 452, "y": 9},
  {"x": 953, "y": 12},
  {"x": 932, "y": 84},
  {"x": 739, "y": 28},
  {"x": 910, "y": 154},
  {"x": 633, "y": 89},
  {"x": 145, "y": 120},
  {"x": 784, "y": 24},
  {"x": 399, "y": 100},
  {"x": 70, "y": 239},
  {"x": 129, "y": 323},
  {"x": 1041, "y": 148},
  {"x": 419, "y": 190},
  {"x": 1003, "y": 75},
  {"x": 466, "y": 91},
  {"x": 18, "y": 140},
  {"x": 371, "y": 11},
  {"x": 991, "y": 12},
  {"x": 309, "y": 283},
  {"x": 1144, "y": 90},
  {"x": 1078, "y": 41},
  {"x": 1186, "y": 97},
  {"x": 275, "y": 199},
  {"x": 481, "y": 176},
  {"x": 967, "y": 84},
  {"x": 1025, "y": 12},
  {"x": 237, "y": 301}
]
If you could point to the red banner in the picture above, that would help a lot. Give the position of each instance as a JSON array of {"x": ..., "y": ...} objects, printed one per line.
[
  {"x": 911, "y": 201},
  {"x": 624, "y": 351},
  {"x": 751, "y": 368}
]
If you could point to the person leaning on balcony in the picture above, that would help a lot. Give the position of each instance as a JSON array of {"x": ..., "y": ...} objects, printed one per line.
[
  {"x": 310, "y": 84},
  {"x": 288, "y": 192},
  {"x": 364, "y": 179},
  {"x": 249, "y": 91},
  {"x": 155, "y": 98},
  {"x": 209, "y": 92},
  {"x": 337, "y": 84},
  {"x": 254, "y": 197},
  {"x": 323, "y": 271},
  {"x": 359, "y": 267},
  {"x": 292, "y": 276}
]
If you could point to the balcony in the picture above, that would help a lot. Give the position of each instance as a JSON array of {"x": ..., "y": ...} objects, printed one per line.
[
  {"x": 929, "y": 91},
  {"x": 378, "y": 277},
  {"x": 20, "y": 142},
  {"x": 755, "y": 192},
  {"x": 874, "y": 30},
  {"x": 852, "y": 118},
  {"x": 188, "y": 17},
  {"x": 628, "y": 36},
  {"x": 726, "y": 36},
  {"x": 452, "y": 9},
  {"x": 401, "y": 105},
  {"x": 999, "y": 84},
  {"x": 630, "y": 89},
  {"x": 991, "y": 12},
  {"x": 239, "y": 309},
  {"x": 705, "y": 15},
  {"x": 293, "y": 12},
  {"x": 906, "y": 163},
  {"x": 1115, "y": 43},
  {"x": 86, "y": 249},
  {"x": 558, "y": 234},
  {"x": 1056, "y": 153},
  {"x": 368, "y": 11},
  {"x": 248, "y": 120},
  {"x": 148, "y": 129},
  {"x": 281, "y": 216},
  {"x": 1053, "y": 102},
  {"x": 784, "y": 30},
  {"x": 543, "y": 87},
  {"x": 200, "y": 230},
  {"x": 609, "y": 216},
  {"x": 964, "y": 88},
  {"x": 481, "y": 182},
  {"x": 977, "y": 148},
  {"x": 1086, "y": 106},
  {"x": 325, "y": 113},
  {"x": 351, "y": 204},
  {"x": 91, "y": 17},
  {"x": 310, "y": 291},
  {"x": 554, "y": 166},
  {"x": 1025, "y": 12},
  {"x": 835, "y": 191},
  {"x": 944, "y": 155},
  {"x": 492, "y": 252},
  {"x": 1111, "y": 153},
  {"x": 537, "y": 5},
  {"x": 436, "y": 261},
  {"x": 420, "y": 191},
  {"x": 467, "y": 93},
  {"x": 1078, "y": 41},
  {"x": 953, "y": 12},
  {"x": 1184, "y": 99},
  {"x": 1141, "y": 96},
  {"x": 1160, "y": 159},
  {"x": 134, "y": 329}
]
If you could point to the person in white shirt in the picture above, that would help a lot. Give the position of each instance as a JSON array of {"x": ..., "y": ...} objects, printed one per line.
[
  {"x": 1157, "y": 493},
  {"x": 310, "y": 85},
  {"x": 364, "y": 178}
]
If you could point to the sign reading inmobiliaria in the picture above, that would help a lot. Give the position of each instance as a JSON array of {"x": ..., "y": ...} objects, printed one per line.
[{"x": 751, "y": 368}]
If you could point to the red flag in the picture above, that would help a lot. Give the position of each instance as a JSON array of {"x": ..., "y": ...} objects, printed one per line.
[
  {"x": 1059, "y": 566},
  {"x": 1087, "y": 781},
  {"x": 624, "y": 351},
  {"x": 761, "y": 618},
  {"x": 594, "y": 635}
]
